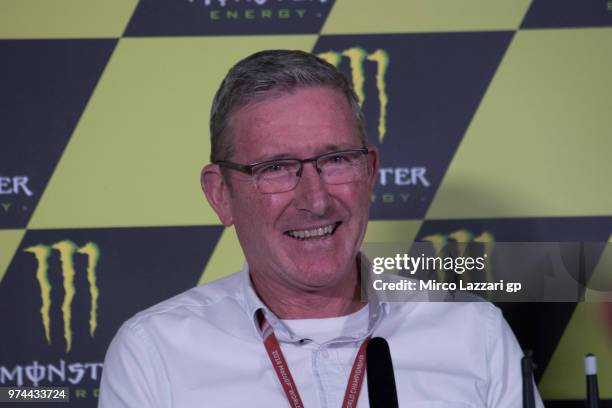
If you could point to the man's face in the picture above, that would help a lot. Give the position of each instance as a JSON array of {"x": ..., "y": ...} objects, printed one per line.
[{"x": 302, "y": 124}]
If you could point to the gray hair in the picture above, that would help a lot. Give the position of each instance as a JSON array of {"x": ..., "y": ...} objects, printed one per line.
[{"x": 268, "y": 74}]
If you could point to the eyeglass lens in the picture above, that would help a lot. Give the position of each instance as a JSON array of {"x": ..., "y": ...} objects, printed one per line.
[{"x": 335, "y": 168}]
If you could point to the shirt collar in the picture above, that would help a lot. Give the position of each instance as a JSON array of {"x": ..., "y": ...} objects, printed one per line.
[{"x": 378, "y": 307}]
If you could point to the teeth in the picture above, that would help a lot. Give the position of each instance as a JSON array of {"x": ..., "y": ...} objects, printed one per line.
[{"x": 312, "y": 233}]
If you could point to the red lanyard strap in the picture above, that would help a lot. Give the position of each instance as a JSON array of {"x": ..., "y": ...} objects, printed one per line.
[
  {"x": 283, "y": 373},
  {"x": 353, "y": 388}
]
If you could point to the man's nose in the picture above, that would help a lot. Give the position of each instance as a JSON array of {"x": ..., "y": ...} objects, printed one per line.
[{"x": 311, "y": 191}]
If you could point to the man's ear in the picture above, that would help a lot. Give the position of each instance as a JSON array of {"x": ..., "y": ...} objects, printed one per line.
[
  {"x": 373, "y": 163},
  {"x": 217, "y": 193}
]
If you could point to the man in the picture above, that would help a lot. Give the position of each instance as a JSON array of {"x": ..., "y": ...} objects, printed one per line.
[{"x": 292, "y": 171}]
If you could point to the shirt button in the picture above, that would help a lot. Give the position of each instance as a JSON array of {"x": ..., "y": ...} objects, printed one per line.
[{"x": 325, "y": 354}]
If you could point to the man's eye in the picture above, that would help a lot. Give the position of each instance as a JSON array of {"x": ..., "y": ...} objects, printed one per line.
[
  {"x": 339, "y": 158},
  {"x": 273, "y": 168}
]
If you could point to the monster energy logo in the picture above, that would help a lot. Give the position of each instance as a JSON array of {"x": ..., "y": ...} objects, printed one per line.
[
  {"x": 357, "y": 57},
  {"x": 67, "y": 250},
  {"x": 459, "y": 243}
]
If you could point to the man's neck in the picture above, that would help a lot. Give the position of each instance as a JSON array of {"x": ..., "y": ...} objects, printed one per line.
[{"x": 293, "y": 303}]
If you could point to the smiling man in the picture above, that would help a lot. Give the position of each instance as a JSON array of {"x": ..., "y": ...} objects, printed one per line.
[
  {"x": 292, "y": 171},
  {"x": 300, "y": 221}
]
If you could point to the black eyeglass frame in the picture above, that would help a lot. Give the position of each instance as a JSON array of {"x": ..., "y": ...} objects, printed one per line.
[{"x": 248, "y": 168}]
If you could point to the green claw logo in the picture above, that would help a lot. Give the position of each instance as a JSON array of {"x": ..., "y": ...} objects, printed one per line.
[
  {"x": 463, "y": 238},
  {"x": 357, "y": 57},
  {"x": 67, "y": 250}
]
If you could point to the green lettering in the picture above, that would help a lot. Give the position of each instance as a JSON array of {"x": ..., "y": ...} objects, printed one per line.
[
  {"x": 266, "y": 13},
  {"x": 388, "y": 198},
  {"x": 6, "y": 206},
  {"x": 284, "y": 13},
  {"x": 232, "y": 14},
  {"x": 214, "y": 15},
  {"x": 301, "y": 12},
  {"x": 249, "y": 14}
]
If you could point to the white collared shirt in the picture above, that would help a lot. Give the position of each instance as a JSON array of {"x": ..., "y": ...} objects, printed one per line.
[{"x": 203, "y": 348}]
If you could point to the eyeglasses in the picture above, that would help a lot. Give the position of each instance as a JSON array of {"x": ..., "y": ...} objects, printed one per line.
[{"x": 278, "y": 176}]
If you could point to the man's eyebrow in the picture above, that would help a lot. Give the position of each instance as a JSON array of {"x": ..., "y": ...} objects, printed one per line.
[
  {"x": 335, "y": 147},
  {"x": 278, "y": 156},
  {"x": 325, "y": 149}
]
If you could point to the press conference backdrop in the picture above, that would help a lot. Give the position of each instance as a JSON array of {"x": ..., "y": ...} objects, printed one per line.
[{"x": 492, "y": 116}]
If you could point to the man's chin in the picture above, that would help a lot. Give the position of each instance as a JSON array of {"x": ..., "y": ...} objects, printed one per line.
[
  {"x": 319, "y": 271},
  {"x": 321, "y": 281}
]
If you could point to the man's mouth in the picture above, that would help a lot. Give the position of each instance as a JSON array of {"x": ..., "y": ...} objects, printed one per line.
[{"x": 319, "y": 232}]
